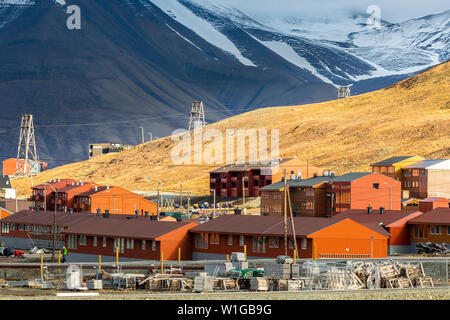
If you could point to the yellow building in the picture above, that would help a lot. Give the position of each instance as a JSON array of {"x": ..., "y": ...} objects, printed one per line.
[{"x": 392, "y": 167}]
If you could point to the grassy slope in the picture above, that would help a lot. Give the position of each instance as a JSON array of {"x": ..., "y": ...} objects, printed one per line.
[{"x": 409, "y": 118}]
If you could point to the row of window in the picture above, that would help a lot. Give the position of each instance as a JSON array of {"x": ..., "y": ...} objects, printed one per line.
[
  {"x": 414, "y": 172},
  {"x": 74, "y": 240},
  {"x": 414, "y": 184},
  {"x": 258, "y": 243},
  {"x": 420, "y": 230},
  {"x": 7, "y": 226}
]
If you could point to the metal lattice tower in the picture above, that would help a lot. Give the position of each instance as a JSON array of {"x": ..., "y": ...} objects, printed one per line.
[
  {"x": 343, "y": 92},
  {"x": 26, "y": 151},
  {"x": 197, "y": 119}
]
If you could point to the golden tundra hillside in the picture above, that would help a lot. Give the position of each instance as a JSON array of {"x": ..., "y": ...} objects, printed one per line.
[{"x": 409, "y": 118}]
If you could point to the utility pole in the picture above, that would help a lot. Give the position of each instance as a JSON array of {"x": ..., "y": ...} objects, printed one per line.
[
  {"x": 158, "y": 205},
  {"x": 151, "y": 136},
  {"x": 285, "y": 215},
  {"x": 142, "y": 133},
  {"x": 332, "y": 200},
  {"x": 54, "y": 226},
  {"x": 197, "y": 119},
  {"x": 189, "y": 201},
  {"x": 181, "y": 196},
  {"x": 214, "y": 205},
  {"x": 292, "y": 222},
  {"x": 243, "y": 191}
]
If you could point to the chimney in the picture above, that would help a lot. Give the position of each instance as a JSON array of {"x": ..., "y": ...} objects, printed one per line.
[
  {"x": 369, "y": 210},
  {"x": 106, "y": 213},
  {"x": 137, "y": 213},
  {"x": 381, "y": 210},
  {"x": 99, "y": 211},
  {"x": 70, "y": 210},
  {"x": 96, "y": 188},
  {"x": 37, "y": 209},
  {"x": 146, "y": 214}
]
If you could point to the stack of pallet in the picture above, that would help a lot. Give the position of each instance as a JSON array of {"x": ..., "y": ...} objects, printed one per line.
[
  {"x": 290, "y": 285},
  {"x": 203, "y": 284},
  {"x": 259, "y": 284},
  {"x": 416, "y": 275},
  {"x": 342, "y": 279},
  {"x": 226, "y": 284}
]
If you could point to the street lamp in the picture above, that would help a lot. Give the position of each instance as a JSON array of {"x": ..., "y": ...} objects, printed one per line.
[
  {"x": 390, "y": 195},
  {"x": 54, "y": 220}
]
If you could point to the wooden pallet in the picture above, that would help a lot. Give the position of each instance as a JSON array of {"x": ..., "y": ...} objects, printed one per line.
[{"x": 259, "y": 284}]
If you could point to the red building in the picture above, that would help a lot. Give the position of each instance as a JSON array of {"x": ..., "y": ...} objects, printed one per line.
[
  {"x": 429, "y": 204},
  {"x": 431, "y": 226},
  {"x": 393, "y": 221},
  {"x": 138, "y": 238},
  {"x": 234, "y": 180},
  {"x": 41, "y": 192},
  {"x": 263, "y": 236}
]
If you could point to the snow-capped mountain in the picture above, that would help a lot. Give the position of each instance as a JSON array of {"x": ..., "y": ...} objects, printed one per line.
[
  {"x": 338, "y": 48},
  {"x": 142, "y": 63}
]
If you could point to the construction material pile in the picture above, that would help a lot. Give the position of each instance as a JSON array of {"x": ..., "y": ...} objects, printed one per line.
[
  {"x": 391, "y": 274},
  {"x": 432, "y": 248}
]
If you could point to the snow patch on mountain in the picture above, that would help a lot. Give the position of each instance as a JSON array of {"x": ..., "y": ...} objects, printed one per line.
[{"x": 201, "y": 27}]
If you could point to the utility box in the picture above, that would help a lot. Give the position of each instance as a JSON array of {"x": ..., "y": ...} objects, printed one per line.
[
  {"x": 237, "y": 256},
  {"x": 94, "y": 284},
  {"x": 281, "y": 271}
]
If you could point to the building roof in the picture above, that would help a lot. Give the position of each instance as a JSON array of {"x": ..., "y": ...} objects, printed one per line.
[
  {"x": 4, "y": 182},
  {"x": 388, "y": 218},
  {"x": 430, "y": 164},
  {"x": 390, "y": 161},
  {"x": 316, "y": 180},
  {"x": 247, "y": 166},
  {"x": 137, "y": 228},
  {"x": 433, "y": 199},
  {"x": 435, "y": 216},
  {"x": 91, "y": 192},
  {"x": 270, "y": 225},
  {"x": 46, "y": 218}
]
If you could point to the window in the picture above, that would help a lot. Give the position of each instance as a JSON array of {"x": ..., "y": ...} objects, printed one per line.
[
  {"x": 291, "y": 244},
  {"x": 82, "y": 240},
  {"x": 230, "y": 240},
  {"x": 5, "y": 227},
  {"x": 391, "y": 169},
  {"x": 154, "y": 245},
  {"x": 406, "y": 173},
  {"x": 130, "y": 243},
  {"x": 376, "y": 186},
  {"x": 304, "y": 244},
  {"x": 259, "y": 244},
  {"x": 436, "y": 230},
  {"x": 21, "y": 227},
  {"x": 448, "y": 230},
  {"x": 12, "y": 226},
  {"x": 201, "y": 240},
  {"x": 104, "y": 242},
  {"x": 94, "y": 241},
  {"x": 241, "y": 241},
  {"x": 419, "y": 231},
  {"x": 274, "y": 242},
  {"x": 143, "y": 244},
  {"x": 72, "y": 241},
  {"x": 119, "y": 243},
  {"x": 214, "y": 238}
]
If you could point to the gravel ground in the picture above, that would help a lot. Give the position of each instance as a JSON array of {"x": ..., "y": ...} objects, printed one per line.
[{"x": 383, "y": 294}]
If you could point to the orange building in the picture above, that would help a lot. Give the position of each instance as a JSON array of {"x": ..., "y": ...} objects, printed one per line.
[
  {"x": 393, "y": 221},
  {"x": 10, "y": 166},
  {"x": 263, "y": 236},
  {"x": 115, "y": 199},
  {"x": 431, "y": 226}
]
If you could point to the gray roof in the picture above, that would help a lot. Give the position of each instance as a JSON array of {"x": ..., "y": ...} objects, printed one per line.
[
  {"x": 424, "y": 163},
  {"x": 391, "y": 161},
  {"x": 4, "y": 182},
  {"x": 313, "y": 181}
]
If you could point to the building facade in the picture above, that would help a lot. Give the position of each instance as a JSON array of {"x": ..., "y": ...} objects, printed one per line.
[
  {"x": 235, "y": 180},
  {"x": 392, "y": 167},
  {"x": 427, "y": 178},
  {"x": 263, "y": 237},
  {"x": 433, "y": 226}
]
